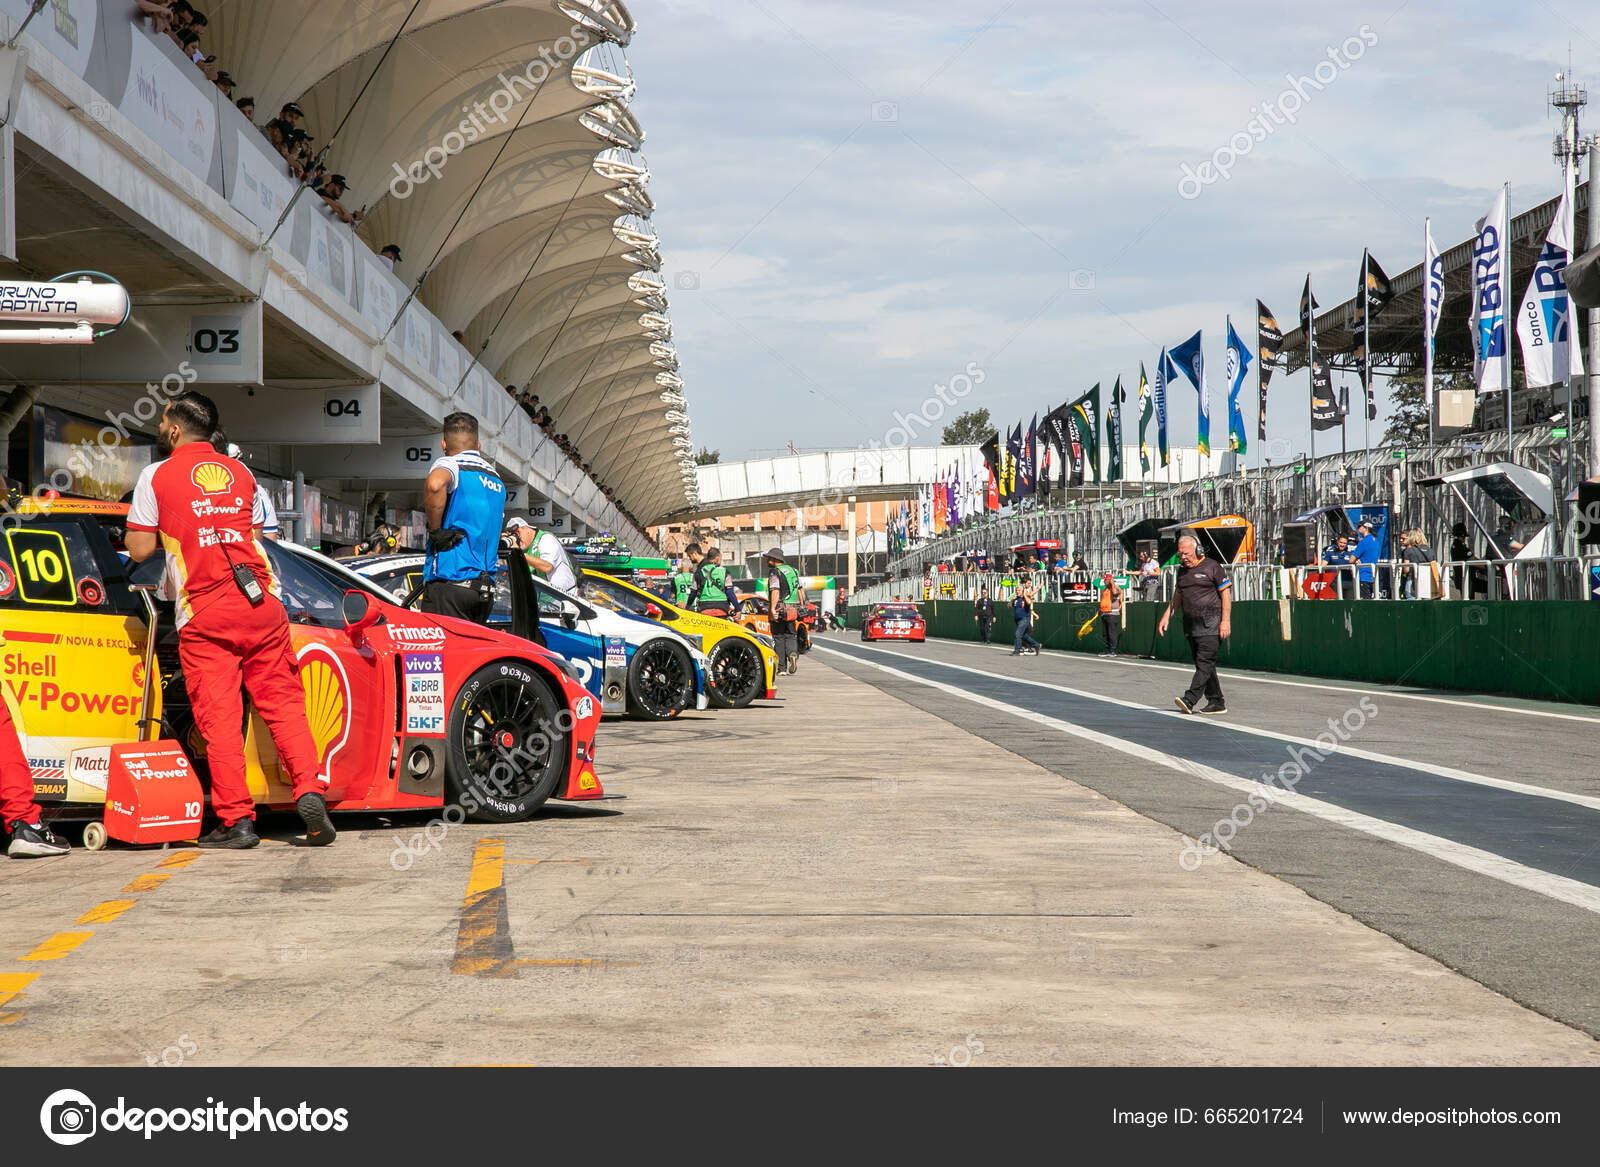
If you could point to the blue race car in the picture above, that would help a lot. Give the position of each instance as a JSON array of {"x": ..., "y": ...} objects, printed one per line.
[{"x": 632, "y": 665}]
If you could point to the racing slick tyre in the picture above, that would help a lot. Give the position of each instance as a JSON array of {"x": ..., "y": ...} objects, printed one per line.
[
  {"x": 660, "y": 681},
  {"x": 737, "y": 673},
  {"x": 509, "y": 746}
]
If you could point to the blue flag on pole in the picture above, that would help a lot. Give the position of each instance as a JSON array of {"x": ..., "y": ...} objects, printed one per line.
[
  {"x": 1191, "y": 358},
  {"x": 1166, "y": 373},
  {"x": 1238, "y": 364}
]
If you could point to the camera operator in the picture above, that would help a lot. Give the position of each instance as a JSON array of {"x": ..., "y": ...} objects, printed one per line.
[{"x": 465, "y": 503}]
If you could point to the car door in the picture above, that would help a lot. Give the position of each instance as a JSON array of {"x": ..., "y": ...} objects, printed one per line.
[
  {"x": 350, "y": 692},
  {"x": 72, "y": 641},
  {"x": 580, "y": 644}
]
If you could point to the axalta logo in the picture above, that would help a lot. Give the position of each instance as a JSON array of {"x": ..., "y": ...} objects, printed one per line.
[
  {"x": 68, "y": 1117},
  {"x": 212, "y": 477},
  {"x": 423, "y": 635}
]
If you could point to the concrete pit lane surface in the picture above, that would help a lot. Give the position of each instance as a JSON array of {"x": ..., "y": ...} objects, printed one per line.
[{"x": 868, "y": 870}]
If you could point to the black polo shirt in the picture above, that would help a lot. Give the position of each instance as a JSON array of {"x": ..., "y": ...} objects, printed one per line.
[{"x": 1200, "y": 591}]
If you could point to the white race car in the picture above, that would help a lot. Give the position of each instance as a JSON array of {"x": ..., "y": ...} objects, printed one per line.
[{"x": 632, "y": 665}]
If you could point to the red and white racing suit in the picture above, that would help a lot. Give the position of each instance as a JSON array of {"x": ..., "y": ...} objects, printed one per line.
[
  {"x": 16, "y": 779},
  {"x": 203, "y": 505}
]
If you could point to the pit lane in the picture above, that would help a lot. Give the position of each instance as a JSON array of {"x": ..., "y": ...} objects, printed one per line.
[{"x": 835, "y": 877}]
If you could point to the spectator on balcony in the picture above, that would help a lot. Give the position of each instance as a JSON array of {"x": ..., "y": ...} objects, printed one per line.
[
  {"x": 291, "y": 114},
  {"x": 225, "y": 82},
  {"x": 189, "y": 43},
  {"x": 332, "y": 191},
  {"x": 247, "y": 106},
  {"x": 161, "y": 17},
  {"x": 390, "y": 255}
]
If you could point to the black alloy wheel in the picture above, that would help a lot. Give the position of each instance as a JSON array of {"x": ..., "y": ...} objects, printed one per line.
[
  {"x": 737, "y": 672},
  {"x": 509, "y": 746},
  {"x": 660, "y": 681}
]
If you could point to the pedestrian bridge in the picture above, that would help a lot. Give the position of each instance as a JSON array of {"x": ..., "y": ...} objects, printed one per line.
[{"x": 824, "y": 478}]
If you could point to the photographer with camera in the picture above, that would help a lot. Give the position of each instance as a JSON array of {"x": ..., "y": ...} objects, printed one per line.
[{"x": 464, "y": 502}]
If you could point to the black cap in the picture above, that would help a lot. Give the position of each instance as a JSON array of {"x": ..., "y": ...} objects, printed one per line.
[
  {"x": 394, "y": 247},
  {"x": 225, "y": 79},
  {"x": 336, "y": 178},
  {"x": 291, "y": 107},
  {"x": 776, "y": 553}
]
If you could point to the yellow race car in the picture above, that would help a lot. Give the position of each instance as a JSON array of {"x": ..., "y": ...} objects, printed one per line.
[{"x": 744, "y": 664}]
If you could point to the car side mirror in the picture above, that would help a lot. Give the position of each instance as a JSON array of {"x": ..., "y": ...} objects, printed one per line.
[
  {"x": 360, "y": 611},
  {"x": 569, "y": 616}
]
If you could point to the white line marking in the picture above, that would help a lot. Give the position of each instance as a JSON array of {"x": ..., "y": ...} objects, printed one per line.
[
  {"x": 1496, "y": 867},
  {"x": 1584, "y": 800},
  {"x": 1123, "y": 662}
]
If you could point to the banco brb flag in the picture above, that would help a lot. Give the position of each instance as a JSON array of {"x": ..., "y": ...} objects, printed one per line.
[
  {"x": 1550, "y": 353},
  {"x": 1491, "y": 294}
]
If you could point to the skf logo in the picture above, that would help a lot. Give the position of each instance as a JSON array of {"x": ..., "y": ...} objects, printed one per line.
[
  {"x": 327, "y": 703},
  {"x": 212, "y": 477}
]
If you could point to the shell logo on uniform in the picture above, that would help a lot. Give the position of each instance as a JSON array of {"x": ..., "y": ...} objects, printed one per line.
[
  {"x": 327, "y": 703},
  {"x": 212, "y": 477}
]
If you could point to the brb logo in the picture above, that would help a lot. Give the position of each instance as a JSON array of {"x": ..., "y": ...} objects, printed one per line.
[{"x": 68, "y": 1117}]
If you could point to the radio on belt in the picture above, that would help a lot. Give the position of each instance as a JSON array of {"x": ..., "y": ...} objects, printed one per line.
[{"x": 152, "y": 794}]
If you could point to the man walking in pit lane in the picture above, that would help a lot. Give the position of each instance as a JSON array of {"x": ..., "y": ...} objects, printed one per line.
[
  {"x": 787, "y": 600},
  {"x": 1110, "y": 613},
  {"x": 465, "y": 503},
  {"x": 202, "y": 507},
  {"x": 1022, "y": 611},
  {"x": 1205, "y": 593},
  {"x": 983, "y": 613},
  {"x": 29, "y": 837}
]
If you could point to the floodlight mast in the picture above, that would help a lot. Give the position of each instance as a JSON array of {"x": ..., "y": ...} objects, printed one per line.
[{"x": 1569, "y": 148}]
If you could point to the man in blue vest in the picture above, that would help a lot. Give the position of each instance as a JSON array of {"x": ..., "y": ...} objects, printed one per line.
[{"x": 465, "y": 502}]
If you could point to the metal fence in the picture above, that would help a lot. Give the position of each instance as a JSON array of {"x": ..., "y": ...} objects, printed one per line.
[
  {"x": 1553, "y": 578},
  {"x": 1086, "y": 520}
]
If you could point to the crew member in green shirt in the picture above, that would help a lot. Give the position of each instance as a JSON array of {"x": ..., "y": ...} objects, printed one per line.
[
  {"x": 711, "y": 599},
  {"x": 683, "y": 579}
]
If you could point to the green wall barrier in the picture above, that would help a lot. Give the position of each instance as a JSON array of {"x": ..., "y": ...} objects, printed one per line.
[{"x": 1548, "y": 649}]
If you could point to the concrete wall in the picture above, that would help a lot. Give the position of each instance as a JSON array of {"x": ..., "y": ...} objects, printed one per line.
[{"x": 1547, "y": 649}]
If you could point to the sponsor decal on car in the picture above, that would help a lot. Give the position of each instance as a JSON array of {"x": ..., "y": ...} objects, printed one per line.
[
  {"x": 424, "y": 693},
  {"x": 584, "y": 708}
]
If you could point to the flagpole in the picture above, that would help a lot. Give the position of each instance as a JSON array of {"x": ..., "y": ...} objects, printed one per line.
[
  {"x": 1427, "y": 326},
  {"x": 1311, "y": 371},
  {"x": 1366, "y": 349},
  {"x": 1505, "y": 301}
]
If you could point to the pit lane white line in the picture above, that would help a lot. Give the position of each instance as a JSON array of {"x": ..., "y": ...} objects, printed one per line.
[
  {"x": 1496, "y": 867},
  {"x": 1232, "y": 675},
  {"x": 1589, "y": 801}
]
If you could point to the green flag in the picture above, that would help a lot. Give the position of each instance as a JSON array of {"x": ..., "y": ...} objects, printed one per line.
[
  {"x": 1147, "y": 410},
  {"x": 1087, "y": 410}
]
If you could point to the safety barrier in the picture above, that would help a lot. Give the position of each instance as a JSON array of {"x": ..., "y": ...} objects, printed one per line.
[{"x": 1547, "y": 648}]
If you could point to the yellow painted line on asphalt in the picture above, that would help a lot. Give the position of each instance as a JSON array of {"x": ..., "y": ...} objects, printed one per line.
[
  {"x": 147, "y": 882},
  {"x": 180, "y": 859},
  {"x": 483, "y": 938},
  {"x": 12, "y": 984},
  {"x": 104, "y": 913},
  {"x": 58, "y": 946}
]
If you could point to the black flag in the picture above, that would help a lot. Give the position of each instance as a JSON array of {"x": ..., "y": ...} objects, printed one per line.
[
  {"x": 1269, "y": 339},
  {"x": 1372, "y": 296},
  {"x": 1325, "y": 413},
  {"x": 1055, "y": 434}
]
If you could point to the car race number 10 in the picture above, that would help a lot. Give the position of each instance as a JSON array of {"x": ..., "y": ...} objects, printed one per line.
[
  {"x": 42, "y": 566},
  {"x": 424, "y": 694}
]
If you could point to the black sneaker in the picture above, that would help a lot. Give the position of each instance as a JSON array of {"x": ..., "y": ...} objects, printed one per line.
[
  {"x": 1036, "y": 650},
  {"x": 239, "y": 837},
  {"x": 313, "y": 812},
  {"x": 1215, "y": 707},
  {"x": 1183, "y": 705},
  {"x": 34, "y": 841}
]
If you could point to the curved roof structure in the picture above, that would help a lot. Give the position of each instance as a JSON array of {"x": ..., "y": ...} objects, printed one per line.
[{"x": 493, "y": 142}]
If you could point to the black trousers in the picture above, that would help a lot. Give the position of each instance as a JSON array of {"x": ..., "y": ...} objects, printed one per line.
[
  {"x": 442, "y": 597},
  {"x": 1111, "y": 628},
  {"x": 984, "y": 627},
  {"x": 1204, "y": 646}
]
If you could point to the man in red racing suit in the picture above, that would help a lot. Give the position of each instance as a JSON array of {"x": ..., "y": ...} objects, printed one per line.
[
  {"x": 30, "y": 838},
  {"x": 201, "y": 506}
]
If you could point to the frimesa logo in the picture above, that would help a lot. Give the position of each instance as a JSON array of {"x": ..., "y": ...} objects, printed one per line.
[{"x": 68, "y": 1117}]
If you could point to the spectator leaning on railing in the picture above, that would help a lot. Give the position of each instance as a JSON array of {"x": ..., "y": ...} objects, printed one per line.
[{"x": 1419, "y": 578}]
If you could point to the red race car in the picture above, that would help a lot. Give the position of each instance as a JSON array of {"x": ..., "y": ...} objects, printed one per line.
[
  {"x": 408, "y": 711},
  {"x": 894, "y": 622}
]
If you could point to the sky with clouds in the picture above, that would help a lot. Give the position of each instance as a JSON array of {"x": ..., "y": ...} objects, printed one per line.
[{"x": 855, "y": 200}]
